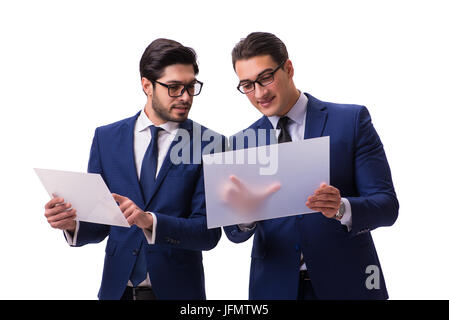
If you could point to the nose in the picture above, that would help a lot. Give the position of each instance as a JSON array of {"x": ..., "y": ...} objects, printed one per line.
[
  {"x": 185, "y": 96},
  {"x": 259, "y": 91}
]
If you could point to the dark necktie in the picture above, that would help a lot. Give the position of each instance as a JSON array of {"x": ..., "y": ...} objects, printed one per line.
[
  {"x": 139, "y": 272},
  {"x": 149, "y": 164},
  {"x": 284, "y": 136},
  {"x": 147, "y": 180}
]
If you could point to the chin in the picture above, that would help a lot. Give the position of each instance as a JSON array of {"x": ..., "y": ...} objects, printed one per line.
[
  {"x": 179, "y": 119},
  {"x": 269, "y": 112}
]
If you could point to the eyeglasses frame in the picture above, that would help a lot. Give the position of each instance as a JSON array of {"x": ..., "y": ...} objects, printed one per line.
[
  {"x": 183, "y": 90},
  {"x": 257, "y": 80}
]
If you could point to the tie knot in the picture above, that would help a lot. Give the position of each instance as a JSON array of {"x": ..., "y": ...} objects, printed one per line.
[
  {"x": 284, "y": 135},
  {"x": 282, "y": 123},
  {"x": 155, "y": 131}
]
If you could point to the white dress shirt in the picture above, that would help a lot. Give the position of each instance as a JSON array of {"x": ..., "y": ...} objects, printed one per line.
[
  {"x": 296, "y": 128},
  {"x": 142, "y": 139}
]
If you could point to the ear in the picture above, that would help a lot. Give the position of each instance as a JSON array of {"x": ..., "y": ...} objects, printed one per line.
[
  {"x": 288, "y": 66},
  {"x": 147, "y": 87}
]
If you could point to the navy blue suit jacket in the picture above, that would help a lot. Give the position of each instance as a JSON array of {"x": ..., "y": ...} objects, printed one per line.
[
  {"x": 178, "y": 201},
  {"x": 337, "y": 260}
]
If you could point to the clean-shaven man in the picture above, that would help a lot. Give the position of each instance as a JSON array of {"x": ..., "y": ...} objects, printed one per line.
[
  {"x": 329, "y": 254},
  {"x": 159, "y": 257}
]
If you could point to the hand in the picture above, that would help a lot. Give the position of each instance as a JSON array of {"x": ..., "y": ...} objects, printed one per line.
[
  {"x": 132, "y": 213},
  {"x": 60, "y": 215},
  {"x": 326, "y": 200},
  {"x": 239, "y": 197}
]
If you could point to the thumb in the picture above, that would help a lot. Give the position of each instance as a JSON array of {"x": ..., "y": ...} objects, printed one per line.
[
  {"x": 118, "y": 198},
  {"x": 272, "y": 189}
]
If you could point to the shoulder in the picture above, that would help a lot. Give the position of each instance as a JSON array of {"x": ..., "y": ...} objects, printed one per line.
[
  {"x": 205, "y": 131},
  {"x": 117, "y": 126},
  {"x": 256, "y": 134},
  {"x": 204, "y": 135},
  {"x": 346, "y": 111},
  {"x": 261, "y": 123}
]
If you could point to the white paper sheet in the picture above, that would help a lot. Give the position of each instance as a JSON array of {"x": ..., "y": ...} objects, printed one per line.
[
  {"x": 87, "y": 193},
  {"x": 300, "y": 167}
]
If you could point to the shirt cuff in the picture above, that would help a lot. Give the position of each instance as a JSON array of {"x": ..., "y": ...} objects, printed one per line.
[
  {"x": 245, "y": 227},
  {"x": 71, "y": 240},
  {"x": 346, "y": 220},
  {"x": 151, "y": 234}
]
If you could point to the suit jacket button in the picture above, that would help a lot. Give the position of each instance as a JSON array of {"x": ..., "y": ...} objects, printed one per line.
[{"x": 135, "y": 252}]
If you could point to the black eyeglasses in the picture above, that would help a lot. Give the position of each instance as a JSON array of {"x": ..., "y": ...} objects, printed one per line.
[
  {"x": 265, "y": 79},
  {"x": 177, "y": 89}
]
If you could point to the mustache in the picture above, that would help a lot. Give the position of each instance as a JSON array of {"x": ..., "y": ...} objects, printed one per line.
[{"x": 181, "y": 105}]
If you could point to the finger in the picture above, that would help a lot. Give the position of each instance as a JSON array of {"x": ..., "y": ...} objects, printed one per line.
[
  {"x": 324, "y": 210},
  {"x": 70, "y": 214},
  {"x": 272, "y": 189},
  {"x": 120, "y": 199},
  {"x": 62, "y": 224},
  {"x": 132, "y": 218},
  {"x": 57, "y": 209},
  {"x": 129, "y": 211},
  {"x": 325, "y": 197},
  {"x": 125, "y": 205},
  {"x": 317, "y": 209},
  {"x": 324, "y": 204},
  {"x": 63, "y": 217},
  {"x": 136, "y": 217},
  {"x": 53, "y": 202},
  {"x": 330, "y": 205},
  {"x": 327, "y": 189},
  {"x": 237, "y": 182}
]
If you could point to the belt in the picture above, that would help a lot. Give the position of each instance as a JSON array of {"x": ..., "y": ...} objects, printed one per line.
[
  {"x": 139, "y": 293},
  {"x": 304, "y": 275}
]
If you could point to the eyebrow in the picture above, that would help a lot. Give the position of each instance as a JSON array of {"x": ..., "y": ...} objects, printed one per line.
[
  {"x": 260, "y": 73},
  {"x": 180, "y": 82},
  {"x": 174, "y": 82}
]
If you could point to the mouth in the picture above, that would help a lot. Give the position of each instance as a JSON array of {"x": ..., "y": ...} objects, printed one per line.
[
  {"x": 265, "y": 103},
  {"x": 181, "y": 109}
]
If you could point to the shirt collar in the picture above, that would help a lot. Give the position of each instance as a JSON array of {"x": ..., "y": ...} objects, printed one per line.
[
  {"x": 296, "y": 113},
  {"x": 143, "y": 122}
]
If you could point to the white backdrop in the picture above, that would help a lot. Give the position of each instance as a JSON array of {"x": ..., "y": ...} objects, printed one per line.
[{"x": 67, "y": 67}]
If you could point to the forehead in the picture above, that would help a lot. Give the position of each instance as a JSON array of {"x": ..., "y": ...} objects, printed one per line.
[
  {"x": 178, "y": 72},
  {"x": 250, "y": 68}
]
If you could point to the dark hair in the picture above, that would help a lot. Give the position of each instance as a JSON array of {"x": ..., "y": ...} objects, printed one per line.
[
  {"x": 257, "y": 44},
  {"x": 162, "y": 53}
]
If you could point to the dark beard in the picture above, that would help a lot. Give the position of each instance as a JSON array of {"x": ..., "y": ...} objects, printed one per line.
[{"x": 164, "y": 114}]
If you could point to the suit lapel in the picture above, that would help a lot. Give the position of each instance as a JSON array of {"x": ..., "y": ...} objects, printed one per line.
[
  {"x": 265, "y": 124},
  {"x": 167, "y": 164},
  {"x": 125, "y": 152},
  {"x": 315, "y": 119}
]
